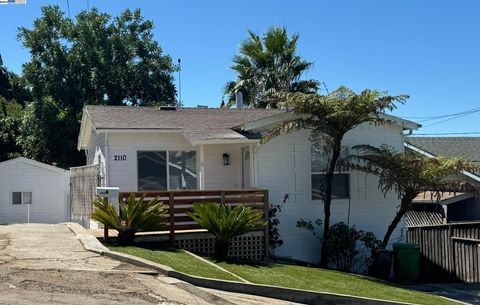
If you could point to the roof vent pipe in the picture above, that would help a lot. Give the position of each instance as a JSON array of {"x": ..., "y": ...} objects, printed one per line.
[{"x": 239, "y": 99}]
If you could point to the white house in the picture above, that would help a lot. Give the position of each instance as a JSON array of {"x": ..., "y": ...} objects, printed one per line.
[
  {"x": 32, "y": 191},
  {"x": 142, "y": 149}
]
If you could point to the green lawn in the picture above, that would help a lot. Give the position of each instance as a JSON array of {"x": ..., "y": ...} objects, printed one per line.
[
  {"x": 287, "y": 276},
  {"x": 329, "y": 281},
  {"x": 178, "y": 260}
]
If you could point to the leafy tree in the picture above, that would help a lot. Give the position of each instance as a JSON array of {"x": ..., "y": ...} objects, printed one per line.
[
  {"x": 96, "y": 59},
  {"x": 48, "y": 134},
  {"x": 136, "y": 215},
  {"x": 329, "y": 118},
  {"x": 410, "y": 174},
  {"x": 10, "y": 119},
  {"x": 225, "y": 223},
  {"x": 268, "y": 65}
]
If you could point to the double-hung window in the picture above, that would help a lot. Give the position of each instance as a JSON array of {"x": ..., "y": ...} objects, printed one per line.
[
  {"x": 162, "y": 170},
  {"x": 341, "y": 177},
  {"x": 19, "y": 198}
]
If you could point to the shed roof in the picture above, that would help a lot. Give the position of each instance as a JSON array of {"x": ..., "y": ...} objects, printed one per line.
[{"x": 33, "y": 163}]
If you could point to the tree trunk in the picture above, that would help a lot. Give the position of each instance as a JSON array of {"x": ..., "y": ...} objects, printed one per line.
[
  {"x": 405, "y": 203},
  {"x": 220, "y": 251},
  {"x": 327, "y": 203}
]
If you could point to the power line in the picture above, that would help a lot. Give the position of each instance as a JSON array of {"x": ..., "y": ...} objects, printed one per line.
[{"x": 474, "y": 110}]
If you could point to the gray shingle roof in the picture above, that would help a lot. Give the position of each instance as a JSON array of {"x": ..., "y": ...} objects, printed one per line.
[
  {"x": 464, "y": 147},
  {"x": 122, "y": 117},
  {"x": 196, "y": 124}
]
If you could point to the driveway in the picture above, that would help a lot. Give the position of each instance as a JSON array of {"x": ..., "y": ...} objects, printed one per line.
[{"x": 47, "y": 264}]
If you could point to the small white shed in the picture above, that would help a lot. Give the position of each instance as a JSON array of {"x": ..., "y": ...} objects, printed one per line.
[{"x": 32, "y": 191}]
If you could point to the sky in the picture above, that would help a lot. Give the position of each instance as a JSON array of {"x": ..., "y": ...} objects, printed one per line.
[{"x": 428, "y": 49}]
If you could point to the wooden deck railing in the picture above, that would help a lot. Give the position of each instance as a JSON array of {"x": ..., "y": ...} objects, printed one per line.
[{"x": 181, "y": 201}]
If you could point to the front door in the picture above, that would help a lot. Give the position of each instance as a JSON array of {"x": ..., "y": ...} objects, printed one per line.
[{"x": 246, "y": 168}]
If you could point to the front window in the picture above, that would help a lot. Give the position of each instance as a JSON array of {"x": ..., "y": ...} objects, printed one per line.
[
  {"x": 341, "y": 178},
  {"x": 153, "y": 173}
]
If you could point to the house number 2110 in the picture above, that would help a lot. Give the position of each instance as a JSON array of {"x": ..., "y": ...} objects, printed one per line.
[{"x": 120, "y": 158}]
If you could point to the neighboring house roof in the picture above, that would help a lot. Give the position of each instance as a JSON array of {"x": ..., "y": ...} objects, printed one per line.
[
  {"x": 33, "y": 163},
  {"x": 461, "y": 147}
]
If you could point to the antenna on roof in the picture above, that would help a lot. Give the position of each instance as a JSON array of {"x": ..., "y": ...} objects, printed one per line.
[{"x": 179, "y": 102}]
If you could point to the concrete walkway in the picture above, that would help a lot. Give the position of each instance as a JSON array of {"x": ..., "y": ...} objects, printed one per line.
[{"x": 47, "y": 264}]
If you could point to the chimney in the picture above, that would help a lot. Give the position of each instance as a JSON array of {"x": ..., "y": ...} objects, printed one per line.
[{"x": 239, "y": 99}]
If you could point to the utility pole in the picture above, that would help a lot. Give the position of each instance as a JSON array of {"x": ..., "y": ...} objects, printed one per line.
[{"x": 179, "y": 103}]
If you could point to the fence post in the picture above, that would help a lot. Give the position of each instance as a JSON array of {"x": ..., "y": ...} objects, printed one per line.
[
  {"x": 171, "y": 211},
  {"x": 266, "y": 209},
  {"x": 105, "y": 228}
]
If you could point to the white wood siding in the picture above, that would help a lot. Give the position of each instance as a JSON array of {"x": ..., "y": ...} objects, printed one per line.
[
  {"x": 283, "y": 167},
  {"x": 123, "y": 174},
  {"x": 50, "y": 194},
  {"x": 219, "y": 176}
]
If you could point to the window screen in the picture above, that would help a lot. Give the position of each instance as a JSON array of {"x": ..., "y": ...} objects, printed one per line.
[
  {"x": 182, "y": 169},
  {"x": 340, "y": 186},
  {"x": 152, "y": 170},
  {"x": 16, "y": 198}
]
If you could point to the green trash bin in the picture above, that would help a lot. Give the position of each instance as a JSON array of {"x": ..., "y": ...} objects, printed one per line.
[{"x": 406, "y": 262}]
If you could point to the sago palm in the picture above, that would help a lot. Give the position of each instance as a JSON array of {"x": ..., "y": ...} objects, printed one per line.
[
  {"x": 409, "y": 174},
  {"x": 266, "y": 66},
  {"x": 136, "y": 215},
  {"x": 225, "y": 223}
]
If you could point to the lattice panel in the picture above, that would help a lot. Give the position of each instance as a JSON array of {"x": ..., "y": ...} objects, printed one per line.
[{"x": 249, "y": 246}]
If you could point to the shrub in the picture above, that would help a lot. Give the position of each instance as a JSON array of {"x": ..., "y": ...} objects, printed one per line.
[
  {"x": 135, "y": 216},
  {"x": 225, "y": 223},
  {"x": 273, "y": 233},
  {"x": 348, "y": 249}
]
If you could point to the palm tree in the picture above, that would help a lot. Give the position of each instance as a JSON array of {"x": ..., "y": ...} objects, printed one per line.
[
  {"x": 225, "y": 223},
  {"x": 136, "y": 215},
  {"x": 329, "y": 118},
  {"x": 268, "y": 65},
  {"x": 409, "y": 174}
]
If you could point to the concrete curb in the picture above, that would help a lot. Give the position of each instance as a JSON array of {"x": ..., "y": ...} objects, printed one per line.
[
  {"x": 287, "y": 294},
  {"x": 89, "y": 242}
]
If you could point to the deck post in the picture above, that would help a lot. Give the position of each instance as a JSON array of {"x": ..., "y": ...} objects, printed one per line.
[
  {"x": 222, "y": 197},
  {"x": 171, "y": 211},
  {"x": 266, "y": 209}
]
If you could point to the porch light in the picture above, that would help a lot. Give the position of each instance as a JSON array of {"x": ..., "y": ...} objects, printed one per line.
[{"x": 226, "y": 159}]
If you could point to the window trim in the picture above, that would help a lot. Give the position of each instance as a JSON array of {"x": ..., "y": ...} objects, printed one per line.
[
  {"x": 336, "y": 172},
  {"x": 167, "y": 156},
  {"x": 21, "y": 194}
]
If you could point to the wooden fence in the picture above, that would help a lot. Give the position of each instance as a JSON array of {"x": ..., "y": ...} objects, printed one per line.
[
  {"x": 181, "y": 201},
  {"x": 449, "y": 251}
]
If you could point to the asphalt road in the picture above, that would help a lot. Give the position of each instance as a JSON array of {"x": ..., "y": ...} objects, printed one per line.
[{"x": 46, "y": 264}]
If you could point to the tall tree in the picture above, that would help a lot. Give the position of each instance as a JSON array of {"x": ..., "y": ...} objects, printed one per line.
[
  {"x": 266, "y": 66},
  {"x": 92, "y": 59},
  {"x": 409, "y": 174},
  {"x": 11, "y": 114},
  {"x": 96, "y": 59},
  {"x": 48, "y": 134},
  {"x": 329, "y": 118}
]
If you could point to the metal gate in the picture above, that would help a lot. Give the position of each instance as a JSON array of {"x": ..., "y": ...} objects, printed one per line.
[{"x": 83, "y": 181}]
